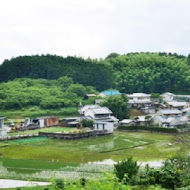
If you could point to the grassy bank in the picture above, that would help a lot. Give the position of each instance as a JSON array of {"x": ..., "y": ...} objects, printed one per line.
[{"x": 36, "y": 112}]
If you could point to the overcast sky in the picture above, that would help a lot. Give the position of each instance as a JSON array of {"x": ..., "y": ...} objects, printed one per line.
[{"x": 93, "y": 28}]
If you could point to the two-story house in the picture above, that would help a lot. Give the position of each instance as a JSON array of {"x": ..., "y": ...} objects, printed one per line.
[{"x": 142, "y": 102}]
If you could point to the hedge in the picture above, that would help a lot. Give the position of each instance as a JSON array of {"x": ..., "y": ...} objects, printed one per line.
[{"x": 151, "y": 128}]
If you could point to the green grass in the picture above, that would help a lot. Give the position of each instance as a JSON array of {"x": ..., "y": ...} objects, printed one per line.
[
  {"x": 36, "y": 112},
  {"x": 36, "y": 131},
  {"x": 36, "y": 154}
]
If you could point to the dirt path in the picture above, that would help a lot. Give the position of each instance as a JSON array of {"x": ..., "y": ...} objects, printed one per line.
[{"x": 6, "y": 183}]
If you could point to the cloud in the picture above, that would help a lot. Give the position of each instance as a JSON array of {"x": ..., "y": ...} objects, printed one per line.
[{"x": 92, "y": 28}]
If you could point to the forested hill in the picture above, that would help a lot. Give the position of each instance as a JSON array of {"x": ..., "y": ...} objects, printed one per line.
[
  {"x": 151, "y": 72},
  {"x": 85, "y": 72},
  {"x": 134, "y": 72}
]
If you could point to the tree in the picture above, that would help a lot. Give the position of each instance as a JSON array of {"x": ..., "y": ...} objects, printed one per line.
[
  {"x": 175, "y": 173},
  {"x": 64, "y": 82},
  {"x": 126, "y": 170},
  {"x": 118, "y": 105},
  {"x": 87, "y": 123},
  {"x": 112, "y": 55},
  {"x": 188, "y": 59},
  {"x": 78, "y": 89}
]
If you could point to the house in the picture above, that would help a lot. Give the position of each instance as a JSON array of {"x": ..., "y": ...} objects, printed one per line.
[
  {"x": 101, "y": 126},
  {"x": 88, "y": 96},
  {"x": 140, "y": 120},
  {"x": 86, "y": 107},
  {"x": 3, "y": 131},
  {"x": 71, "y": 121},
  {"x": 46, "y": 121},
  {"x": 170, "y": 121},
  {"x": 98, "y": 114},
  {"x": 177, "y": 105},
  {"x": 169, "y": 112},
  {"x": 127, "y": 122},
  {"x": 168, "y": 97},
  {"x": 170, "y": 118},
  {"x": 107, "y": 93},
  {"x": 142, "y": 102}
]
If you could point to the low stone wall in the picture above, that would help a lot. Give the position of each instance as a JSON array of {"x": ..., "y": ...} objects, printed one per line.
[{"x": 72, "y": 136}]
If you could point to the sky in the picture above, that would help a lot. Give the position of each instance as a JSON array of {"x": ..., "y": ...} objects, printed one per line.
[{"x": 93, "y": 28}]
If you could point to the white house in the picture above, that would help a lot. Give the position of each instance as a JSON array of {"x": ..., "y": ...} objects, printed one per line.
[
  {"x": 170, "y": 121},
  {"x": 170, "y": 118},
  {"x": 169, "y": 112},
  {"x": 168, "y": 97},
  {"x": 3, "y": 131},
  {"x": 141, "y": 101},
  {"x": 86, "y": 107},
  {"x": 177, "y": 105},
  {"x": 98, "y": 114},
  {"x": 101, "y": 126}
]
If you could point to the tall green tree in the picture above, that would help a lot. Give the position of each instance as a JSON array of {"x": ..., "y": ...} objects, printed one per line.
[{"x": 118, "y": 105}]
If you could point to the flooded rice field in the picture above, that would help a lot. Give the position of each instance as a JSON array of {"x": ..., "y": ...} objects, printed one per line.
[{"x": 43, "y": 158}]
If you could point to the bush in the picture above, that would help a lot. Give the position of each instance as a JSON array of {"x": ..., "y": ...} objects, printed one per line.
[
  {"x": 126, "y": 170},
  {"x": 87, "y": 123},
  {"x": 152, "y": 129},
  {"x": 174, "y": 174}
]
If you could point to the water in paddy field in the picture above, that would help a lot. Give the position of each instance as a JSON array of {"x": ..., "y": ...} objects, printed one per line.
[{"x": 43, "y": 157}]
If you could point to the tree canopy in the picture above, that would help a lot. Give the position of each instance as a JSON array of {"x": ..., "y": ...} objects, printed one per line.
[
  {"x": 118, "y": 105},
  {"x": 133, "y": 72},
  {"x": 42, "y": 92}
]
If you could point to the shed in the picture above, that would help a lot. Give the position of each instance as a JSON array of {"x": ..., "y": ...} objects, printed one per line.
[
  {"x": 46, "y": 121},
  {"x": 127, "y": 122}
]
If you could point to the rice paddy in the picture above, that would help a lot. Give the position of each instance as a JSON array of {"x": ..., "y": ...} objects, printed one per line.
[{"x": 38, "y": 155}]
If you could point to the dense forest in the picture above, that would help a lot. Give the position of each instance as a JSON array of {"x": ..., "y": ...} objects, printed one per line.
[
  {"x": 133, "y": 72},
  {"x": 86, "y": 72}
]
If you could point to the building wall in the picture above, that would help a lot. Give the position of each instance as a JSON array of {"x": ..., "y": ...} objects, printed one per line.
[
  {"x": 51, "y": 122},
  {"x": 104, "y": 126}
]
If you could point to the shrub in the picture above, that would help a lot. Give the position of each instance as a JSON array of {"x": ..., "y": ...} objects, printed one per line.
[
  {"x": 87, "y": 123},
  {"x": 126, "y": 170},
  {"x": 152, "y": 129}
]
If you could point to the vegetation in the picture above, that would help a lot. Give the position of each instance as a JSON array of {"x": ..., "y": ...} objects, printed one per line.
[
  {"x": 36, "y": 131},
  {"x": 126, "y": 170},
  {"x": 118, "y": 105},
  {"x": 87, "y": 123},
  {"x": 149, "y": 128},
  {"x": 36, "y": 111},
  {"x": 86, "y": 72},
  {"x": 46, "y": 94},
  {"x": 173, "y": 175},
  {"x": 133, "y": 72},
  {"x": 26, "y": 157}
]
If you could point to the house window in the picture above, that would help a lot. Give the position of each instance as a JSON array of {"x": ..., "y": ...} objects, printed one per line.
[{"x": 103, "y": 126}]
